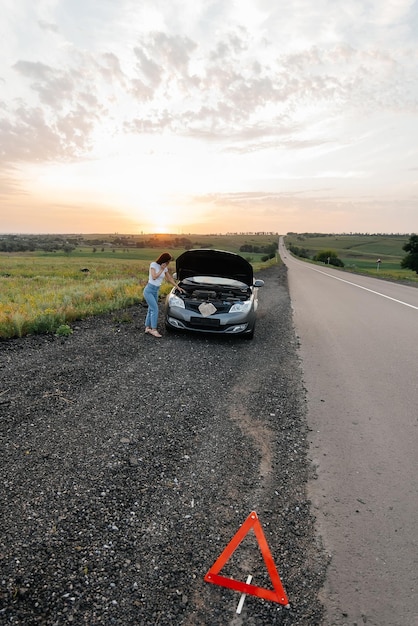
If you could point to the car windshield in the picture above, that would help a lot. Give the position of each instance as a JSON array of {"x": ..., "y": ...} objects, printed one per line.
[{"x": 215, "y": 280}]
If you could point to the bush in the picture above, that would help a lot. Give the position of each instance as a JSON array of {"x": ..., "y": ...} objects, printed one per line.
[
  {"x": 267, "y": 257},
  {"x": 329, "y": 257},
  {"x": 64, "y": 330},
  {"x": 269, "y": 249},
  {"x": 410, "y": 261},
  {"x": 300, "y": 252}
]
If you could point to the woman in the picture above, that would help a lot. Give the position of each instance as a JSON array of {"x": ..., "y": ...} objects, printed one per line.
[{"x": 158, "y": 270}]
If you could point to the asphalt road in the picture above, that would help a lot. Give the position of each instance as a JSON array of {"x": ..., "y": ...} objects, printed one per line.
[{"x": 358, "y": 345}]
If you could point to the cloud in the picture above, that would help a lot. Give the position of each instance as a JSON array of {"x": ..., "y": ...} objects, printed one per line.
[
  {"x": 9, "y": 184},
  {"x": 55, "y": 88},
  {"x": 110, "y": 69},
  {"x": 236, "y": 84},
  {"x": 29, "y": 135},
  {"x": 48, "y": 26}
]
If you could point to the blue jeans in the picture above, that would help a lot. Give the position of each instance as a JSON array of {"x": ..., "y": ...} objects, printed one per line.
[{"x": 151, "y": 296}]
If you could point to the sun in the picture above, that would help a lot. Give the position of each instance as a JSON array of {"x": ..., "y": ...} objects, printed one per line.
[
  {"x": 160, "y": 228},
  {"x": 162, "y": 225},
  {"x": 165, "y": 216}
]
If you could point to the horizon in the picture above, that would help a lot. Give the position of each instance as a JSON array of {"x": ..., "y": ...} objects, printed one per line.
[{"x": 212, "y": 234}]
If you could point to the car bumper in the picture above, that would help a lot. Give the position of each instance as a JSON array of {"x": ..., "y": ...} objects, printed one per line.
[{"x": 234, "y": 324}]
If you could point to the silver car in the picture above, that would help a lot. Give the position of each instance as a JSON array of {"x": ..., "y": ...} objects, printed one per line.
[{"x": 220, "y": 294}]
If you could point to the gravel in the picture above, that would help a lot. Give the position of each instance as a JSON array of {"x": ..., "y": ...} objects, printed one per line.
[{"x": 129, "y": 462}]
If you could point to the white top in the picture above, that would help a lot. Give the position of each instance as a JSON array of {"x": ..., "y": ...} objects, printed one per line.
[{"x": 158, "y": 281}]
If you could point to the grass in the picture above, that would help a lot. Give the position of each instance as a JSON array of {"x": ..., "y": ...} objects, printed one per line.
[
  {"x": 41, "y": 292},
  {"x": 359, "y": 253}
]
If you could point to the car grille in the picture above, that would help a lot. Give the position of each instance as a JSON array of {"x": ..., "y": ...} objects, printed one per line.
[{"x": 204, "y": 322}]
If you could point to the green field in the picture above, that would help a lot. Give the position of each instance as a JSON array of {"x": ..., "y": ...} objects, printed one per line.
[
  {"x": 43, "y": 291},
  {"x": 360, "y": 253}
]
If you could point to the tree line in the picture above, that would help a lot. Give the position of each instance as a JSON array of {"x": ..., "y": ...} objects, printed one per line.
[{"x": 68, "y": 243}]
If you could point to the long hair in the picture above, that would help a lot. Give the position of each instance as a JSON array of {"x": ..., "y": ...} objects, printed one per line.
[{"x": 165, "y": 257}]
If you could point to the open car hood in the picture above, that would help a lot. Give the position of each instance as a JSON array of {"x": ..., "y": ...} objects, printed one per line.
[{"x": 208, "y": 262}]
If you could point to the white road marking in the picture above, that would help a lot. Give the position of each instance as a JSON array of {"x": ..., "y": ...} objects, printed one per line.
[{"x": 377, "y": 293}]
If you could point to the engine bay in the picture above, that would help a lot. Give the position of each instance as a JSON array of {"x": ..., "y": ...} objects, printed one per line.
[{"x": 222, "y": 294}]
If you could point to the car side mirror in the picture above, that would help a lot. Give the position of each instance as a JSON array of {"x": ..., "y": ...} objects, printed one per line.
[{"x": 259, "y": 283}]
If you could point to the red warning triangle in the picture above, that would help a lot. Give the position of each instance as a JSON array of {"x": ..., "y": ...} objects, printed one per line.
[{"x": 212, "y": 576}]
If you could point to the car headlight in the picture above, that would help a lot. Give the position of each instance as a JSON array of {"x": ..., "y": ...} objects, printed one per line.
[
  {"x": 174, "y": 300},
  {"x": 241, "y": 307}
]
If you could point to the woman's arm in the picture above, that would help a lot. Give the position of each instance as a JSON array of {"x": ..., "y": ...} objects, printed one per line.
[
  {"x": 156, "y": 274},
  {"x": 171, "y": 280}
]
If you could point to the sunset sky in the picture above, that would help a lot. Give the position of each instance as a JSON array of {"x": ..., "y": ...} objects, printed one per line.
[{"x": 203, "y": 116}]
